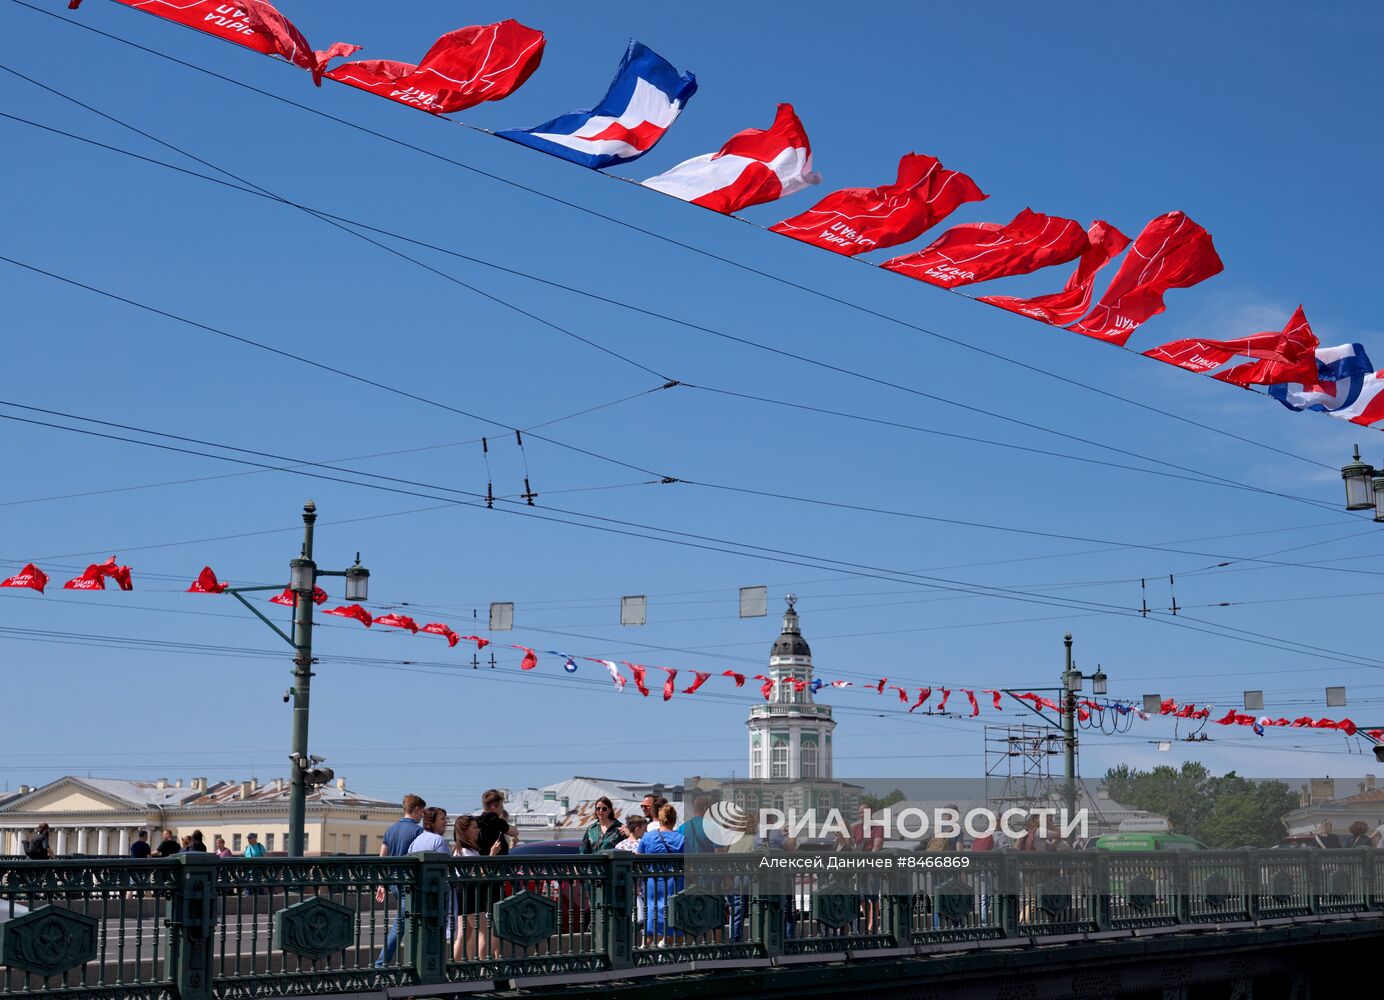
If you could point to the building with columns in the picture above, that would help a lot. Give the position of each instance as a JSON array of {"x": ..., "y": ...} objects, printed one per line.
[
  {"x": 103, "y": 816},
  {"x": 790, "y": 736}
]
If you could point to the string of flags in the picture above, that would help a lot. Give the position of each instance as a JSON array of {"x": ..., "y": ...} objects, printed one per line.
[
  {"x": 480, "y": 63},
  {"x": 95, "y": 575}
]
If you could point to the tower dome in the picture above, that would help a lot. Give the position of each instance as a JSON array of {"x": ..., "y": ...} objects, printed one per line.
[{"x": 790, "y": 733}]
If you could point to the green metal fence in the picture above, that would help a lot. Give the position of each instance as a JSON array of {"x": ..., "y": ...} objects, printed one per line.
[{"x": 196, "y": 926}]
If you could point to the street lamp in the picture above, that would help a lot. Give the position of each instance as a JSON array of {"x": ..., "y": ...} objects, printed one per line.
[
  {"x": 1098, "y": 681},
  {"x": 303, "y": 575},
  {"x": 1361, "y": 492}
]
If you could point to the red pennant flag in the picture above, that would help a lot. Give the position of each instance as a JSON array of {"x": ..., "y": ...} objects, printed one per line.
[
  {"x": 942, "y": 705},
  {"x": 668, "y": 682},
  {"x": 638, "y": 671},
  {"x": 923, "y": 695},
  {"x": 700, "y": 678},
  {"x": 1167, "y": 706},
  {"x": 206, "y": 583},
  {"x": 1171, "y": 252},
  {"x": 739, "y": 678},
  {"x": 879, "y": 688},
  {"x": 30, "y": 577},
  {"x": 1347, "y": 727},
  {"x": 767, "y": 687},
  {"x": 1228, "y": 719},
  {"x": 1061, "y": 308},
  {"x": 1286, "y": 356},
  {"x": 980, "y": 251},
  {"x": 120, "y": 574},
  {"x": 857, "y": 220},
  {"x": 996, "y": 694},
  {"x": 253, "y": 24},
  {"x": 530, "y": 659},
  {"x": 289, "y": 599},
  {"x": 1185, "y": 712},
  {"x": 352, "y": 611},
  {"x": 971, "y": 697},
  {"x": 438, "y": 628},
  {"x": 462, "y": 69},
  {"x": 91, "y": 579},
  {"x": 398, "y": 621},
  {"x": 480, "y": 643},
  {"x": 903, "y": 695}
]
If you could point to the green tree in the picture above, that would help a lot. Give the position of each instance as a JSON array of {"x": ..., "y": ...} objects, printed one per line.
[
  {"x": 1226, "y": 811},
  {"x": 877, "y": 802}
]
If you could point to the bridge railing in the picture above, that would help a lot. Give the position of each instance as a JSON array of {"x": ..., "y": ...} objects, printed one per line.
[{"x": 196, "y": 926}]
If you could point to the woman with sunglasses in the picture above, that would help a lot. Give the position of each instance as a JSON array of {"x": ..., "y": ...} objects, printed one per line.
[{"x": 605, "y": 832}]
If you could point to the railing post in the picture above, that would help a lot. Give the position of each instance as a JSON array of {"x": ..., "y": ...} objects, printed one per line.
[
  {"x": 613, "y": 904},
  {"x": 190, "y": 916},
  {"x": 897, "y": 918},
  {"x": 767, "y": 908},
  {"x": 1315, "y": 880},
  {"x": 429, "y": 912},
  {"x": 1010, "y": 889},
  {"x": 1371, "y": 877},
  {"x": 1182, "y": 888},
  {"x": 1100, "y": 886},
  {"x": 1252, "y": 901}
]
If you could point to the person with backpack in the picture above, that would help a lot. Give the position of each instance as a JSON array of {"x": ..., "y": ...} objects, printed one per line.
[{"x": 37, "y": 849}]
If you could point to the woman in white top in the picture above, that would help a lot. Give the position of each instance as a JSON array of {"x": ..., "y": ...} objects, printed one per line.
[{"x": 470, "y": 916}]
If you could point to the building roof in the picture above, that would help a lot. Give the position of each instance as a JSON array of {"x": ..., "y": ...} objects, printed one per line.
[
  {"x": 790, "y": 641},
  {"x": 197, "y": 794}
]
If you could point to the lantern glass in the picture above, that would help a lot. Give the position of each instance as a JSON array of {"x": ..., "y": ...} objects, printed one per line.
[
  {"x": 302, "y": 575},
  {"x": 1098, "y": 682},
  {"x": 1359, "y": 491},
  {"x": 357, "y": 583},
  {"x": 1379, "y": 499},
  {"x": 1074, "y": 679}
]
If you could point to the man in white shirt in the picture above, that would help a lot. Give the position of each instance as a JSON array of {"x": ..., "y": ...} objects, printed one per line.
[{"x": 433, "y": 837}]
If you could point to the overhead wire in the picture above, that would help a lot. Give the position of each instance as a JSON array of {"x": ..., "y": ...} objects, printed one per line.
[
  {"x": 510, "y": 182},
  {"x": 1187, "y": 473}
]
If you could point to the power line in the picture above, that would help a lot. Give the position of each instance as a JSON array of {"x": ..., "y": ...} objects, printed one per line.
[
  {"x": 1193, "y": 475},
  {"x": 667, "y": 239}
]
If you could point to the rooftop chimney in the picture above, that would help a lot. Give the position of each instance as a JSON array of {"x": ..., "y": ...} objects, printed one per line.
[
  {"x": 178, "y": 783},
  {"x": 161, "y": 784},
  {"x": 1369, "y": 781},
  {"x": 25, "y": 789},
  {"x": 247, "y": 788},
  {"x": 341, "y": 784},
  {"x": 199, "y": 785}
]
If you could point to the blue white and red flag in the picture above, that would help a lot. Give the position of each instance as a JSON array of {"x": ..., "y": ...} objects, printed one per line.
[
  {"x": 1347, "y": 386},
  {"x": 643, "y": 101}
]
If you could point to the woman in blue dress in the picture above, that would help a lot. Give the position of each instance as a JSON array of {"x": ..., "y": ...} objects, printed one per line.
[{"x": 658, "y": 886}]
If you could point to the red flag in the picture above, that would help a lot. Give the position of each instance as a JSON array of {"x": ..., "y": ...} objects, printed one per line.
[
  {"x": 739, "y": 678},
  {"x": 530, "y": 658},
  {"x": 252, "y": 23},
  {"x": 480, "y": 643},
  {"x": 462, "y": 69},
  {"x": 766, "y": 687},
  {"x": 971, "y": 697},
  {"x": 1347, "y": 727},
  {"x": 1171, "y": 252},
  {"x": 30, "y": 576},
  {"x": 120, "y": 574},
  {"x": 942, "y": 705},
  {"x": 668, "y": 682},
  {"x": 399, "y": 621},
  {"x": 1286, "y": 356},
  {"x": 700, "y": 679},
  {"x": 206, "y": 583},
  {"x": 352, "y": 611},
  {"x": 879, "y": 688},
  {"x": 1227, "y": 720},
  {"x": 1060, "y": 308},
  {"x": 638, "y": 671},
  {"x": 858, "y": 220},
  {"x": 923, "y": 695},
  {"x": 996, "y": 694},
  {"x": 1185, "y": 712},
  {"x": 1167, "y": 706},
  {"x": 91, "y": 579},
  {"x": 903, "y": 694},
  {"x": 979, "y": 251},
  {"x": 288, "y": 598},
  {"x": 438, "y": 628}
]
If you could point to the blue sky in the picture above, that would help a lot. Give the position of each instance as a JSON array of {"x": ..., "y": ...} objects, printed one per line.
[{"x": 1248, "y": 117}]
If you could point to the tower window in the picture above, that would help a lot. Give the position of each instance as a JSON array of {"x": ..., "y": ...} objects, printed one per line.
[
  {"x": 809, "y": 760},
  {"x": 778, "y": 759}
]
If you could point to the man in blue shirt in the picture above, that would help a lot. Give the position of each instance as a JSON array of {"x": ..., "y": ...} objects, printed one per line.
[{"x": 397, "y": 840}]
